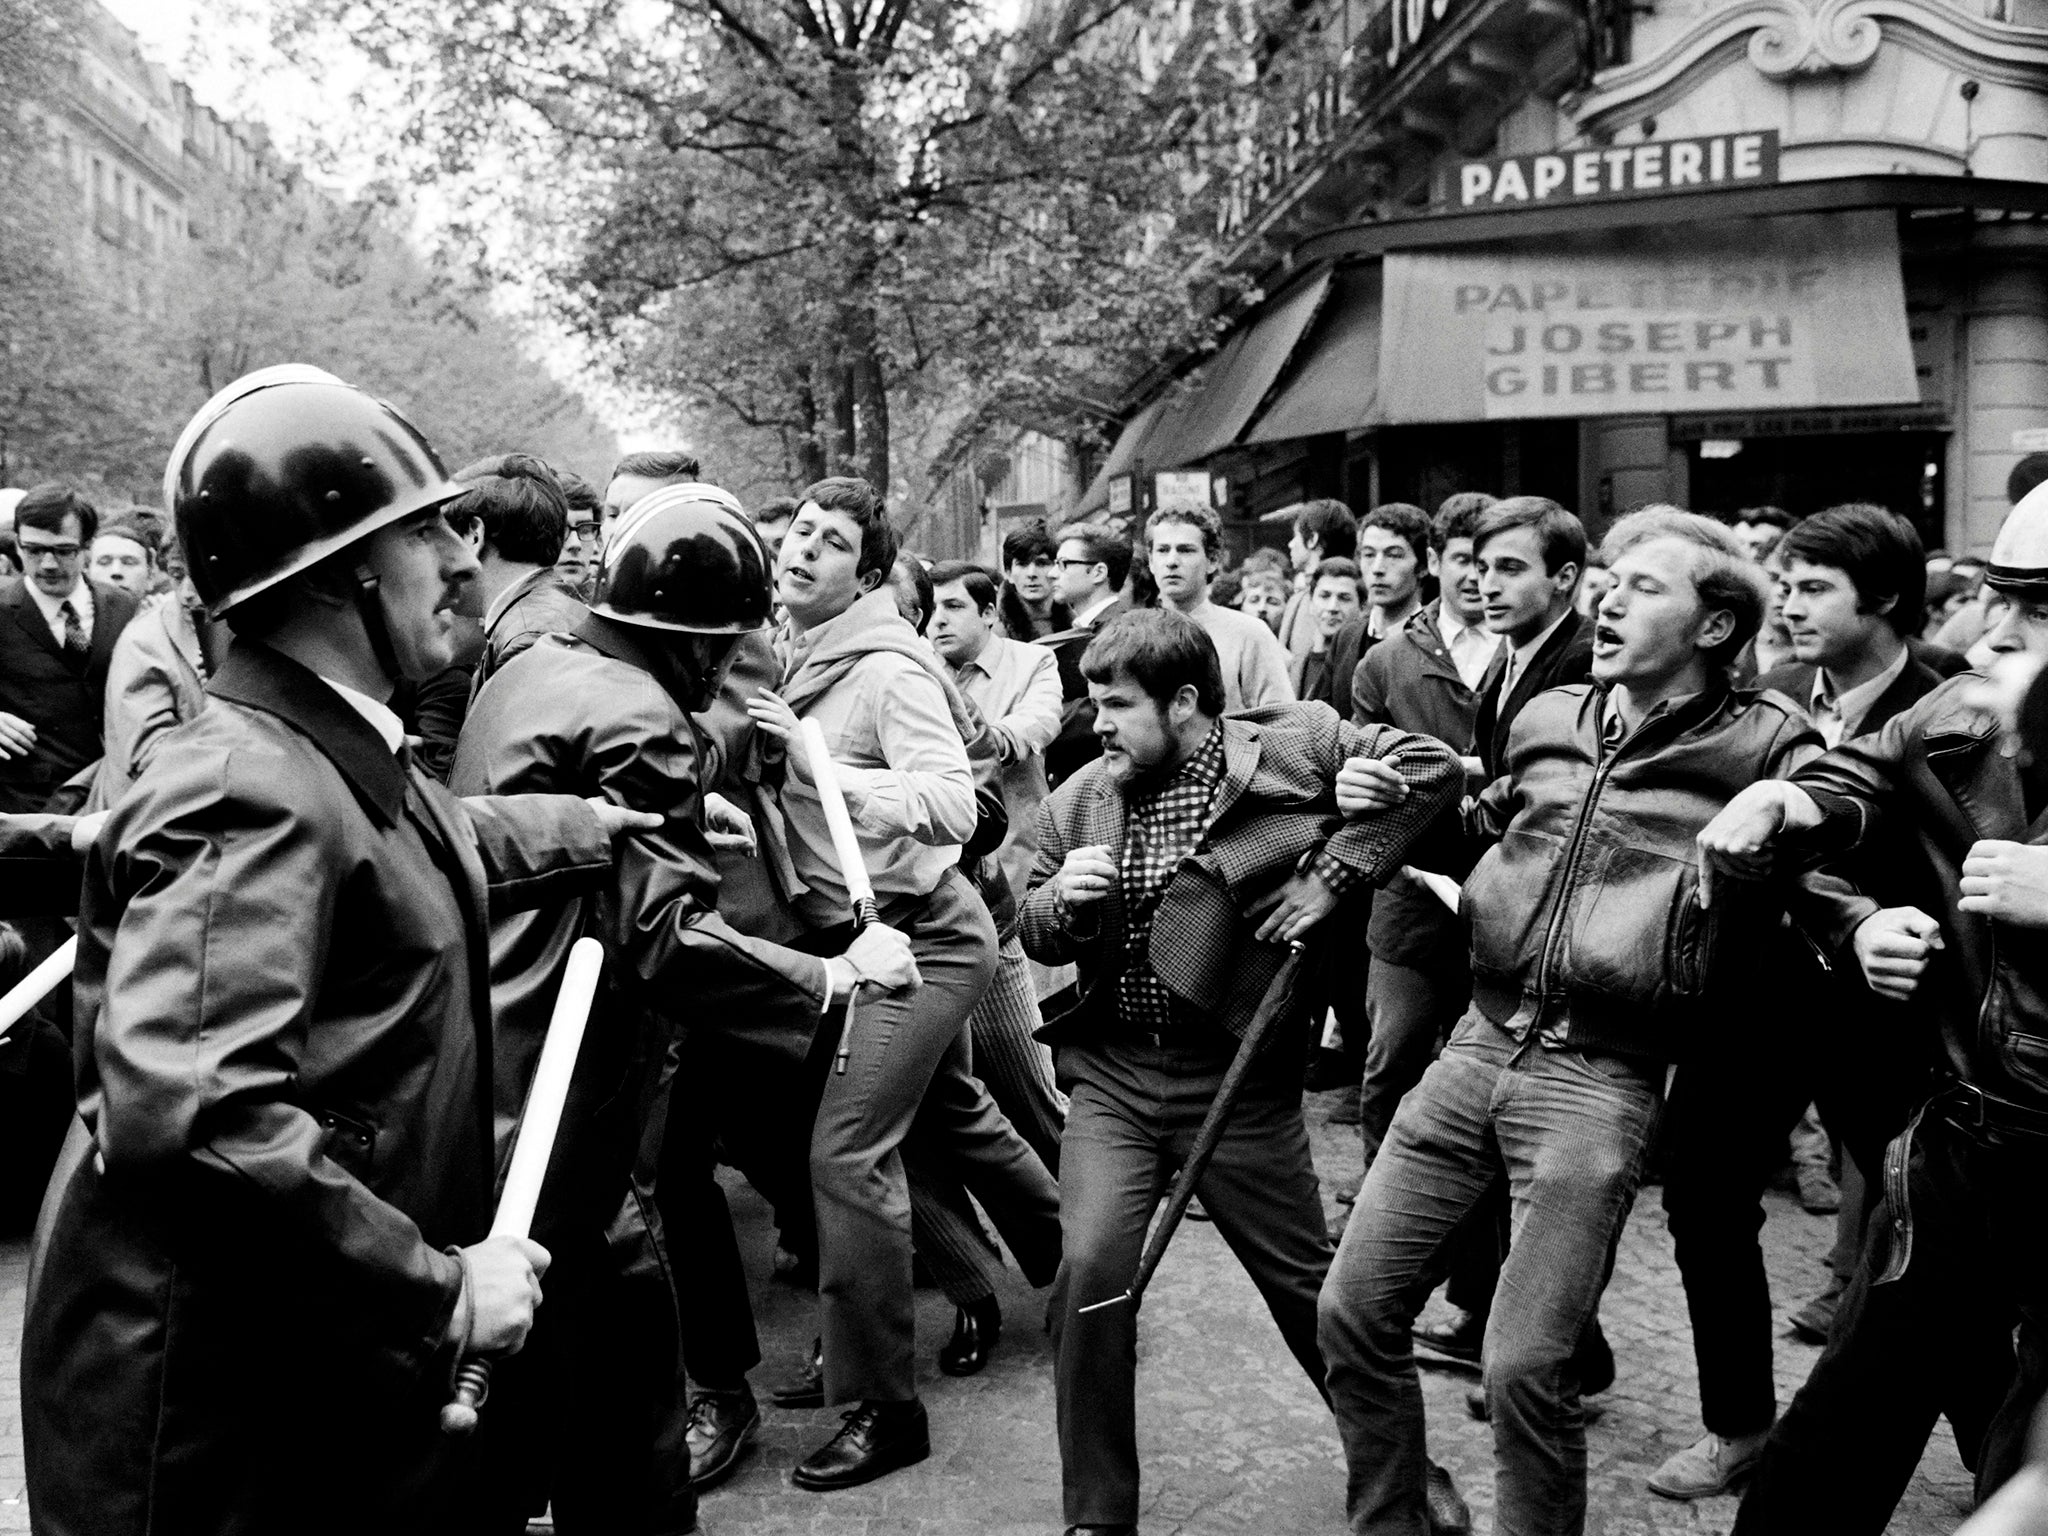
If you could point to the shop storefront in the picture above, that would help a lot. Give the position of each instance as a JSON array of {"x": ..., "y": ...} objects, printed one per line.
[{"x": 1808, "y": 269}]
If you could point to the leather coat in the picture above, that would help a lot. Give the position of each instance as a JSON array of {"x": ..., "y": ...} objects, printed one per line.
[
  {"x": 283, "y": 1046},
  {"x": 1585, "y": 914},
  {"x": 567, "y": 716},
  {"x": 1935, "y": 779}
]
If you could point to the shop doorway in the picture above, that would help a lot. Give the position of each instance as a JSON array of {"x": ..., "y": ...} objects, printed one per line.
[
  {"x": 1899, "y": 470},
  {"x": 1424, "y": 464}
]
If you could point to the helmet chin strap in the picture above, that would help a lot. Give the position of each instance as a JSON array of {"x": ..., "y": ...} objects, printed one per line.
[{"x": 370, "y": 605}]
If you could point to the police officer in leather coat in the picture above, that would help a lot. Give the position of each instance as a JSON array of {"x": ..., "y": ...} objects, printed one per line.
[{"x": 254, "y": 1290}]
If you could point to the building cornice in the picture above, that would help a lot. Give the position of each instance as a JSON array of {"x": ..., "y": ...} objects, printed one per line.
[{"x": 1790, "y": 39}]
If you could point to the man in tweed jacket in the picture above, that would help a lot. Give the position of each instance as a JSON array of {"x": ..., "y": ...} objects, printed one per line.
[{"x": 1173, "y": 871}]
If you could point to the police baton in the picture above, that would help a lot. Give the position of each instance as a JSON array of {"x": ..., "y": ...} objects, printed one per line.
[
  {"x": 853, "y": 869},
  {"x": 1277, "y": 1003},
  {"x": 533, "y": 1148},
  {"x": 37, "y": 984}
]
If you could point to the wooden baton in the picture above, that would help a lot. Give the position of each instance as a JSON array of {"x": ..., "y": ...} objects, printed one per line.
[
  {"x": 37, "y": 984},
  {"x": 534, "y": 1146},
  {"x": 853, "y": 869}
]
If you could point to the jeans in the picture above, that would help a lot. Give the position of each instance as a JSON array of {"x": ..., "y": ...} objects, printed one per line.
[
  {"x": 1938, "y": 1340},
  {"x": 1572, "y": 1130},
  {"x": 1135, "y": 1110},
  {"x": 1411, "y": 1011}
]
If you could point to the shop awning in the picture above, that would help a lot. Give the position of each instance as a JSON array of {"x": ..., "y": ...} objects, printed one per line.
[
  {"x": 1237, "y": 382},
  {"x": 1333, "y": 385},
  {"x": 1799, "y": 312}
]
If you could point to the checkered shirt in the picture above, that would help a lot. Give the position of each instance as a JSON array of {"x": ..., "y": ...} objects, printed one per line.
[{"x": 1162, "y": 829}]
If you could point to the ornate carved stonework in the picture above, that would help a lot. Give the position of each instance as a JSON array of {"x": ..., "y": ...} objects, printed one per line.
[
  {"x": 1823, "y": 51},
  {"x": 1791, "y": 39}
]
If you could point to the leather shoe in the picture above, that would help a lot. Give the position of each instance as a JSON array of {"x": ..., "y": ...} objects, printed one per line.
[
  {"x": 1449, "y": 1515},
  {"x": 874, "y": 1439},
  {"x": 976, "y": 1331},
  {"x": 719, "y": 1427},
  {"x": 1120, "y": 1529},
  {"x": 1594, "y": 1361},
  {"x": 806, "y": 1389},
  {"x": 1457, "y": 1339}
]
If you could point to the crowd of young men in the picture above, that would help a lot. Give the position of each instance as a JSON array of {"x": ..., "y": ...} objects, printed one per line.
[{"x": 1619, "y": 892}]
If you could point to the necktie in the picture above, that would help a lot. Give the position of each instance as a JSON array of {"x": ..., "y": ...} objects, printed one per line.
[{"x": 76, "y": 644}]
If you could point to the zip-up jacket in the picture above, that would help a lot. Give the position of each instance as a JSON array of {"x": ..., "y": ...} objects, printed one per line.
[
  {"x": 1936, "y": 779},
  {"x": 1585, "y": 914}
]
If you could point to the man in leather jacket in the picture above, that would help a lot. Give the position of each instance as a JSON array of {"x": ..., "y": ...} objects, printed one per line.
[
  {"x": 1593, "y": 967},
  {"x": 1957, "y": 1267},
  {"x": 254, "y": 1290}
]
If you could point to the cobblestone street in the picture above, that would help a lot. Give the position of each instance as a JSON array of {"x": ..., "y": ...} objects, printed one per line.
[{"x": 1233, "y": 1439}]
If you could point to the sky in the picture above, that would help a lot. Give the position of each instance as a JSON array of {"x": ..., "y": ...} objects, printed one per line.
[{"x": 221, "y": 49}]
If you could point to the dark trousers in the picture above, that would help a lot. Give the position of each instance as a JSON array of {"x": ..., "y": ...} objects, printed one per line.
[
  {"x": 1732, "y": 1107},
  {"x": 1132, "y": 1118},
  {"x": 910, "y": 1064},
  {"x": 1938, "y": 1340},
  {"x": 1412, "y": 1010},
  {"x": 574, "y": 1415}
]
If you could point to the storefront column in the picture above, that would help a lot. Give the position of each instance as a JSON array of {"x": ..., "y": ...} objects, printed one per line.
[
  {"x": 2005, "y": 387},
  {"x": 1626, "y": 462}
]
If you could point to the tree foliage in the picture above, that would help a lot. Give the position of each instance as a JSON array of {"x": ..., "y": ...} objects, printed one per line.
[
  {"x": 802, "y": 217},
  {"x": 105, "y": 352}
]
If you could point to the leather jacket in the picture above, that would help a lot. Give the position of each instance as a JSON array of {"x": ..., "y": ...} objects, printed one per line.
[
  {"x": 1935, "y": 779},
  {"x": 1585, "y": 914}
]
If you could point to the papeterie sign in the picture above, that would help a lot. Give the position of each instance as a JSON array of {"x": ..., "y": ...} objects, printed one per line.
[
  {"x": 1756, "y": 314},
  {"x": 1621, "y": 170}
]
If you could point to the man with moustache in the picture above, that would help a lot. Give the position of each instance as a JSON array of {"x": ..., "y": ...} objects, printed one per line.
[
  {"x": 1592, "y": 971},
  {"x": 1174, "y": 871},
  {"x": 283, "y": 1034}
]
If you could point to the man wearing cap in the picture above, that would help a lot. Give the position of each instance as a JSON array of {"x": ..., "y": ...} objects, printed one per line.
[
  {"x": 608, "y": 709},
  {"x": 254, "y": 1291},
  {"x": 1956, "y": 1269}
]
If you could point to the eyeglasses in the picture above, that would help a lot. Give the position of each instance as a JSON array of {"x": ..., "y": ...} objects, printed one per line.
[
  {"x": 49, "y": 551},
  {"x": 1068, "y": 565}
]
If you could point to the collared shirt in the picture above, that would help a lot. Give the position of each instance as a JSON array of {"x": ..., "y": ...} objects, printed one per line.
[
  {"x": 1161, "y": 829},
  {"x": 80, "y": 599},
  {"x": 1086, "y": 619},
  {"x": 1379, "y": 626},
  {"x": 1016, "y": 686},
  {"x": 1839, "y": 714},
  {"x": 1520, "y": 657},
  {"x": 1471, "y": 647},
  {"x": 380, "y": 715}
]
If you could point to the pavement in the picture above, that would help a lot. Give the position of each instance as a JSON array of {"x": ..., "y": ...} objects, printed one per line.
[{"x": 1231, "y": 1436}]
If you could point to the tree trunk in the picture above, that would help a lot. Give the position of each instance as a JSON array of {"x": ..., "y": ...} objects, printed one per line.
[{"x": 810, "y": 452}]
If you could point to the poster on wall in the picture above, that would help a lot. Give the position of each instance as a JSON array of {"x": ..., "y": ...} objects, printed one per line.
[{"x": 1757, "y": 314}]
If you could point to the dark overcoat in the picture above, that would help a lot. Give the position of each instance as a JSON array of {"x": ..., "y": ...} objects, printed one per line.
[{"x": 283, "y": 1047}]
